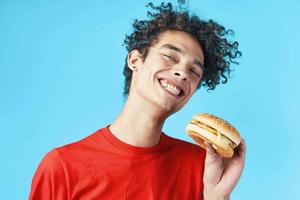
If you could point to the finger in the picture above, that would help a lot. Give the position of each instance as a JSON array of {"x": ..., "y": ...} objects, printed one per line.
[
  {"x": 213, "y": 166},
  {"x": 209, "y": 148},
  {"x": 211, "y": 155},
  {"x": 241, "y": 150},
  {"x": 234, "y": 166}
]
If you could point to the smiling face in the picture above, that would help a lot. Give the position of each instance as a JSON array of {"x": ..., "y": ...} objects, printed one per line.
[{"x": 170, "y": 73}]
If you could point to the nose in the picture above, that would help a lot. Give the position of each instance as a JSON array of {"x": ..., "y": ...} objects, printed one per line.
[{"x": 180, "y": 74}]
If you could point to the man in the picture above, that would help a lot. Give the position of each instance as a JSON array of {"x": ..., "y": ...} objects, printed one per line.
[{"x": 169, "y": 57}]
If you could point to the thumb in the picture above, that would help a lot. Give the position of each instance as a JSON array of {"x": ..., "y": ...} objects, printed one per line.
[
  {"x": 213, "y": 166},
  {"x": 211, "y": 154}
]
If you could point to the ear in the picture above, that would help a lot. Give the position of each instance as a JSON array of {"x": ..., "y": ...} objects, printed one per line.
[{"x": 133, "y": 59}]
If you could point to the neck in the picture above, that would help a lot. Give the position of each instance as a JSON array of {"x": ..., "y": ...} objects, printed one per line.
[{"x": 139, "y": 123}]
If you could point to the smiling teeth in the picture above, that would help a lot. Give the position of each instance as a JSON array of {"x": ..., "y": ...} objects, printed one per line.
[{"x": 171, "y": 88}]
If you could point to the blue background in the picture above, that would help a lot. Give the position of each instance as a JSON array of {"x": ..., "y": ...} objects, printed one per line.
[{"x": 61, "y": 79}]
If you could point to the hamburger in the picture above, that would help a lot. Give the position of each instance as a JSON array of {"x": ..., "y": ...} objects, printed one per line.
[{"x": 221, "y": 134}]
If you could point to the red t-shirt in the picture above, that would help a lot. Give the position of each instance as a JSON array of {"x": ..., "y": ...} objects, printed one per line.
[{"x": 101, "y": 166}]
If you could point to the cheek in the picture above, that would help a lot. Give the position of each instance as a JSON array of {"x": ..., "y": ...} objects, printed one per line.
[
  {"x": 144, "y": 76},
  {"x": 151, "y": 69},
  {"x": 156, "y": 62},
  {"x": 193, "y": 85}
]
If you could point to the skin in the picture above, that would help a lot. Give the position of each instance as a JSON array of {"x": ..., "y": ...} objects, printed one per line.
[
  {"x": 222, "y": 174},
  {"x": 177, "y": 57}
]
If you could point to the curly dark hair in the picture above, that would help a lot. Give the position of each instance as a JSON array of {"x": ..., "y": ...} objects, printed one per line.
[{"x": 219, "y": 53}]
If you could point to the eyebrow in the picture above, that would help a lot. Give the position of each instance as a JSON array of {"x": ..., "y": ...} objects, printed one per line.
[{"x": 174, "y": 48}]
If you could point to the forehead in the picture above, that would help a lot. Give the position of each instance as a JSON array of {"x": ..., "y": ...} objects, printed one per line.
[{"x": 187, "y": 43}]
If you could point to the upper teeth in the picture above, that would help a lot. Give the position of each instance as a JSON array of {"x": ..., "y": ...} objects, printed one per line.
[{"x": 171, "y": 88}]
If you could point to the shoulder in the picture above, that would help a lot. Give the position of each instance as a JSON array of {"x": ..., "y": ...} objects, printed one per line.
[
  {"x": 80, "y": 148},
  {"x": 78, "y": 152},
  {"x": 51, "y": 162},
  {"x": 71, "y": 157},
  {"x": 55, "y": 160}
]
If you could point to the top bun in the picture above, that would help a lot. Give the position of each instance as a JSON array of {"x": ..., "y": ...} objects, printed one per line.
[{"x": 220, "y": 125}]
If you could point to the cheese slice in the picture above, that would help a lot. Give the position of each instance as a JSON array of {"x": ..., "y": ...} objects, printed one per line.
[{"x": 223, "y": 139}]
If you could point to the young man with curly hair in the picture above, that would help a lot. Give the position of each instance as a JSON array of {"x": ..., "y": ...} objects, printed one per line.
[{"x": 169, "y": 57}]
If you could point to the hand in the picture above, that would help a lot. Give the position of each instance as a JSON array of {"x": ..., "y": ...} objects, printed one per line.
[{"x": 222, "y": 174}]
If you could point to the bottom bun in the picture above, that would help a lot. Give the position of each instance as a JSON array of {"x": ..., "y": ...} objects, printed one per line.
[{"x": 200, "y": 135}]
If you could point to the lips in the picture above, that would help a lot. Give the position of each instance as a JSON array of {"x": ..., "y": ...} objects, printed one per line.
[{"x": 171, "y": 87}]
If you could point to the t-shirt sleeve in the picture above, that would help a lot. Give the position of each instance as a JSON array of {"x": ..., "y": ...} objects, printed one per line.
[{"x": 49, "y": 181}]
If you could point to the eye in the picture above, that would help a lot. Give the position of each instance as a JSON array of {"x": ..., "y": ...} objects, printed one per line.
[
  {"x": 170, "y": 58},
  {"x": 195, "y": 72}
]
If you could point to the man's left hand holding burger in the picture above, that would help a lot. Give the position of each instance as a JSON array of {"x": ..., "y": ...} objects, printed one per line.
[{"x": 222, "y": 174}]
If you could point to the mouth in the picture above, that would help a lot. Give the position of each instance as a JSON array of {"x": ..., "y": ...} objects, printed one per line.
[{"x": 171, "y": 88}]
